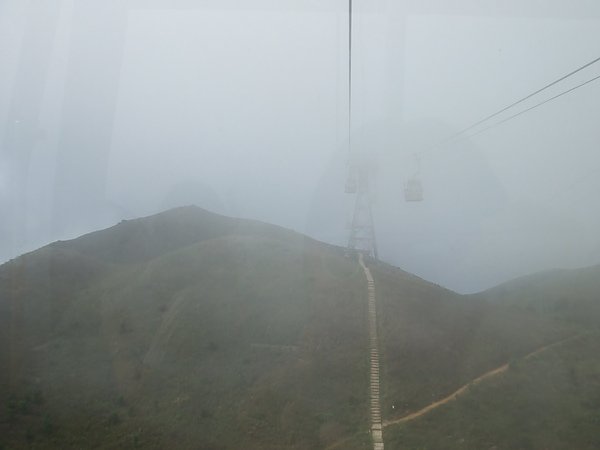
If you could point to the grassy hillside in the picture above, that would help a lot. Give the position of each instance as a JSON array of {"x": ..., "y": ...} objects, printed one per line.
[
  {"x": 193, "y": 330},
  {"x": 435, "y": 341},
  {"x": 546, "y": 400},
  {"x": 550, "y": 401},
  {"x": 228, "y": 342}
]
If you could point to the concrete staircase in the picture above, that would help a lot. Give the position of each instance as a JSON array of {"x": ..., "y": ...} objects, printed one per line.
[{"x": 375, "y": 405}]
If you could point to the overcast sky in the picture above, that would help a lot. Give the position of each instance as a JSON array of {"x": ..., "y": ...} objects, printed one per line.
[{"x": 129, "y": 111}]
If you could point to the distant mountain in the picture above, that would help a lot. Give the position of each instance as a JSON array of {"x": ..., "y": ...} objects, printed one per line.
[
  {"x": 571, "y": 295},
  {"x": 193, "y": 330}
]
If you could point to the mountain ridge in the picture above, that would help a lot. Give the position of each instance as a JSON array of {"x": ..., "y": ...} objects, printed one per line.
[{"x": 213, "y": 332}]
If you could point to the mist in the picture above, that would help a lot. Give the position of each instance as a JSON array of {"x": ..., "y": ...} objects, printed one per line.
[{"x": 117, "y": 109}]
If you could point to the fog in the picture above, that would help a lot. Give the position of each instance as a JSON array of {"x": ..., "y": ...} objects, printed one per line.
[{"x": 113, "y": 109}]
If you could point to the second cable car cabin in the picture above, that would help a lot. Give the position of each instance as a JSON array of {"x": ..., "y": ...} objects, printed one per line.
[{"x": 413, "y": 190}]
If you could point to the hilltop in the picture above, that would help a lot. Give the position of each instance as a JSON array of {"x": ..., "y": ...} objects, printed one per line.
[{"x": 570, "y": 295}]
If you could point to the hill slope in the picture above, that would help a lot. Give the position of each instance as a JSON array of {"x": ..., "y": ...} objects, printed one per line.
[
  {"x": 570, "y": 295},
  {"x": 548, "y": 399},
  {"x": 193, "y": 330}
]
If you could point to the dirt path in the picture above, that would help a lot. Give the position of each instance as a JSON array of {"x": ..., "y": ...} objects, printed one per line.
[
  {"x": 375, "y": 405},
  {"x": 462, "y": 390},
  {"x": 156, "y": 351}
]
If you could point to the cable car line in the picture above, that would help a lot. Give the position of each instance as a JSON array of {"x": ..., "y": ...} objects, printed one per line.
[
  {"x": 349, "y": 78},
  {"x": 530, "y": 108},
  {"x": 351, "y": 186},
  {"x": 512, "y": 105},
  {"x": 413, "y": 189}
]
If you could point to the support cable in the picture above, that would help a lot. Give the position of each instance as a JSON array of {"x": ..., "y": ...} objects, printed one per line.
[
  {"x": 529, "y": 109},
  {"x": 455, "y": 136},
  {"x": 349, "y": 80}
]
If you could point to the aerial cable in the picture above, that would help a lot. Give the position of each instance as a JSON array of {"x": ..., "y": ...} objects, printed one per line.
[
  {"x": 351, "y": 181},
  {"x": 512, "y": 105},
  {"x": 531, "y": 108},
  {"x": 350, "y": 78}
]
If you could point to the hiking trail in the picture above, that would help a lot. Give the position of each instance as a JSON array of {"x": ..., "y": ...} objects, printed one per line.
[{"x": 492, "y": 373}]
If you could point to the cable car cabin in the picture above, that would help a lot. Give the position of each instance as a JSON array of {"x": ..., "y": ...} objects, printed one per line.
[
  {"x": 413, "y": 190},
  {"x": 351, "y": 185}
]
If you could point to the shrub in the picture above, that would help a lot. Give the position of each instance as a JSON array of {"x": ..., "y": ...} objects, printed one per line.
[
  {"x": 47, "y": 426},
  {"x": 121, "y": 400},
  {"x": 24, "y": 405},
  {"x": 113, "y": 419},
  {"x": 37, "y": 397},
  {"x": 135, "y": 440},
  {"x": 29, "y": 435},
  {"x": 11, "y": 408}
]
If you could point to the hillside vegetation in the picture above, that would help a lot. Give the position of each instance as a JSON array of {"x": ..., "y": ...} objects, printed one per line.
[
  {"x": 193, "y": 330},
  {"x": 435, "y": 341},
  {"x": 550, "y": 401},
  {"x": 546, "y": 400}
]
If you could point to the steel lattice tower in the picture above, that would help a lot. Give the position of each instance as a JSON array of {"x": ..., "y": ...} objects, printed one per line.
[{"x": 362, "y": 233}]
